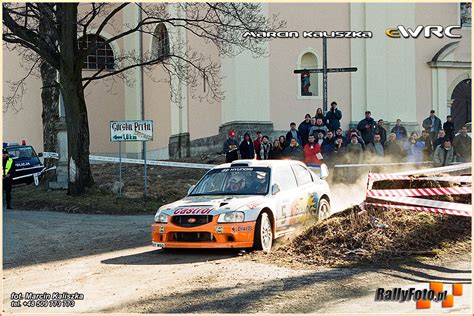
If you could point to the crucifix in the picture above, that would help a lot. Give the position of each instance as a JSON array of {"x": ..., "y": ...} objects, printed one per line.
[{"x": 325, "y": 70}]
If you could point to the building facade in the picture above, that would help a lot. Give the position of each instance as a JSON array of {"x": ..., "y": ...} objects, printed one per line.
[{"x": 396, "y": 78}]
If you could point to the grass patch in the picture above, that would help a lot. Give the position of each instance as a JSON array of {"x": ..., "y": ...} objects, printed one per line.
[
  {"x": 165, "y": 185},
  {"x": 95, "y": 201}
]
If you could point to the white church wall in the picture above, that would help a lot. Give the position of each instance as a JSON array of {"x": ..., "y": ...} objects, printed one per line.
[
  {"x": 389, "y": 70},
  {"x": 157, "y": 106},
  {"x": 247, "y": 87},
  {"x": 205, "y": 112},
  {"x": 286, "y": 105}
]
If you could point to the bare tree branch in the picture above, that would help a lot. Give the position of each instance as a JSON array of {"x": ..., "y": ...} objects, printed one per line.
[
  {"x": 18, "y": 89},
  {"x": 28, "y": 38}
]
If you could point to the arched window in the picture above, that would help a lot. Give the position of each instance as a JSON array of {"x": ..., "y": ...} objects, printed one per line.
[
  {"x": 160, "y": 43},
  {"x": 309, "y": 81},
  {"x": 101, "y": 57}
]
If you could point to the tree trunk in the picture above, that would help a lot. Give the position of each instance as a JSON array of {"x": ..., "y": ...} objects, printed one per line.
[
  {"x": 80, "y": 176},
  {"x": 50, "y": 116},
  {"x": 50, "y": 101}
]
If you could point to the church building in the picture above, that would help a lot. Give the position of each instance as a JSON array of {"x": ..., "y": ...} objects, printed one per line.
[{"x": 396, "y": 78}]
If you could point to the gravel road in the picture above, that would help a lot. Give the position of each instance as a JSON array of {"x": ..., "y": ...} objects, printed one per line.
[{"x": 109, "y": 260}]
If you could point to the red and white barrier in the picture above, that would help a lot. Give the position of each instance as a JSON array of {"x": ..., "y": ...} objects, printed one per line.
[
  {"x": 419, "y": 192},
  {"x": 389, "y": 176},
  {"x": 437, "y": 170},
  {"x": 409, "y": 198},
  {"x": 427, "y": 203},
  {"x": 424, "y": 209}
]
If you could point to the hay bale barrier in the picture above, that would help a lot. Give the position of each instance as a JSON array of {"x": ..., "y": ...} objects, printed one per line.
[{"x": 381, "y": 235}]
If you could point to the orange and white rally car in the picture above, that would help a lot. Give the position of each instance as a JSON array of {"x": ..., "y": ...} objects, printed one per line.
[{"x": 243, "y": 204}]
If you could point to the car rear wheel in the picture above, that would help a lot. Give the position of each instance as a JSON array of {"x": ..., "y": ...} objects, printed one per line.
[
  {"x": 263, "y": 239},
  {"x": 324, "y": 209}
]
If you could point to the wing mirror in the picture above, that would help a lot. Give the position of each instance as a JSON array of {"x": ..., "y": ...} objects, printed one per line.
[
  {"x": 324, "y": 171},
  {"x": 191, "y": 188},
  {"x": 40, "y": 155},
  {"x": 275, "y": 188}
]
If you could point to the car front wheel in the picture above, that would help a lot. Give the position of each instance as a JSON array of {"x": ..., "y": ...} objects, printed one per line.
[
  {"x": 263, "y": 239},
  {"x": 324, "y": 209}
]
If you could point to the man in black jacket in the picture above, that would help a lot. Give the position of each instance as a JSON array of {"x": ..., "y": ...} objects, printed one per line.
[
  {"x": 379, "y": 129},
  {"x": 367, "y": 128},
  {"x": 448, "y": 127},
  {"x": 333, "y": 117},
  {"x": 304, "y": 128},
  {"x": 231, "y": 147},
  {"x": 247, "y": 151},
  {"x": 293, "y": 133},
  {"x": 294, "y": 150}
]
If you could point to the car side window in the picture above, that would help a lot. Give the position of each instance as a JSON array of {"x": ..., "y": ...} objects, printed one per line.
[
  {"x": 302, "y": 175},
  {"x": 284, "y": 176}
]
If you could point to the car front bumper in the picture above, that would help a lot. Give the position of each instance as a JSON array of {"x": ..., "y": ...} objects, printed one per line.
[{"x": 210, "y": 235}]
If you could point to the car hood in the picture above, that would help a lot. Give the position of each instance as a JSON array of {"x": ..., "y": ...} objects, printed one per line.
[{"x": 211, "y": 205}]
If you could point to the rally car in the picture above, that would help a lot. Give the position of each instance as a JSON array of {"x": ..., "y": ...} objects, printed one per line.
[
  {"x": 243, "y": 204},
  {"x": 27, "y": 163}
]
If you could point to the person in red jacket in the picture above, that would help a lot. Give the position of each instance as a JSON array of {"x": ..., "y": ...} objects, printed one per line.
[
  {"x": 257, "y": 144},
  {"x": 311, "y": 149}
]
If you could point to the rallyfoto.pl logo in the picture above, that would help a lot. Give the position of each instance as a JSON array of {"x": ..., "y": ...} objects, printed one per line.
[
  {"x": 426, "y": 30},
  {"x": 423, "y": 298}
]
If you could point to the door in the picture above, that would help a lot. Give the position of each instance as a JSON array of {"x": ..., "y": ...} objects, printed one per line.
[
  {"x": 461, "y": 107},
  {"x": 305, "y": 193},
  {"x": 284, "y": 176}
]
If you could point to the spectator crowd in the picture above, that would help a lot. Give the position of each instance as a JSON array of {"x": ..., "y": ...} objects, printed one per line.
[{"x": 320, "y": 138}]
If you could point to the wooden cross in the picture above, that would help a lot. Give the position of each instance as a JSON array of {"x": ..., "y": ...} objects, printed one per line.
[{"x": 325, "y": 70}]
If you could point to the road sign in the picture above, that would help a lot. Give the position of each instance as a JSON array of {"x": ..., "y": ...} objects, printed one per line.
[{"x": 131, "y": 130}]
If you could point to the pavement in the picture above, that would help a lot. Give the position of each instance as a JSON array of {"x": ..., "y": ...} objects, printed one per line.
[{"x": 108, "y": 259}]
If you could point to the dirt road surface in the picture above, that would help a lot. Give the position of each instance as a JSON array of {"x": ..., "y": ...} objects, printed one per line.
[{"x": 108, "y": 259}]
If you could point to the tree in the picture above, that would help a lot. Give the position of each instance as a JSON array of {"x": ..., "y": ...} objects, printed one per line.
[
  {"x": 50, "y": 102},
  {"x": 219, "y": 23}
]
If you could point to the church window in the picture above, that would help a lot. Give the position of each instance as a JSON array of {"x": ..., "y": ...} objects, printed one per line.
[
  {"x": 102, "y": 57},
  {"x": 160, "y": 42}
]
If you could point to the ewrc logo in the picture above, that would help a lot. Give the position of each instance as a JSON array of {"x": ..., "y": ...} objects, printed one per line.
[
  {"x": 423, "y": 298},
  {"x": 427, "y": 31}
]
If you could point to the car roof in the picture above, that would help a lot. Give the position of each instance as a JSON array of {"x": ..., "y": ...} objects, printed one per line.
[
  {"x": 259, "y": 163},
  {"x": 18, "y": 146}
]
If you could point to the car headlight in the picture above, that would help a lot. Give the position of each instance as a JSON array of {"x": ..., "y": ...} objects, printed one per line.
[
  {"x": 231, "y": 217},
  {"x": 161, "y": 218}
]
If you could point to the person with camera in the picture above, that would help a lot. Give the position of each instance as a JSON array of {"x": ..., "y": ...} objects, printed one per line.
[{"x": 333, "y": 117}]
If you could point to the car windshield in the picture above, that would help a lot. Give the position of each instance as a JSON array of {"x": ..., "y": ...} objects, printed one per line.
[
  {"x": 26, "y": 152},
  {"x": 234, "y": 181}
]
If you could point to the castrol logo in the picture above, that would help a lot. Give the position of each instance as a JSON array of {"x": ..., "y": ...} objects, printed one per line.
[{"x": 192, "y": 211}]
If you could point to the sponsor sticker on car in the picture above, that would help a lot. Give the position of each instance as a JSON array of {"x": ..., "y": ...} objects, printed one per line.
[
  {"x": 241, "y": 229},
  {"x": 192, "y": 210},
  {"x": 158, "y": 244}
]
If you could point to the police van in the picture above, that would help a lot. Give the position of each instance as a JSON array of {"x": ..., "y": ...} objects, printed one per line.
[{"x": 28, "y": 164}]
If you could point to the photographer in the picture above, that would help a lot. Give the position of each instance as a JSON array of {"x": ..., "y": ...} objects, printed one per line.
[{"x": 333, "y": 117}]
